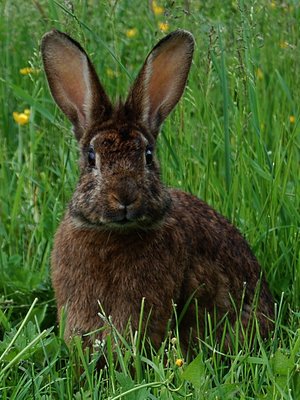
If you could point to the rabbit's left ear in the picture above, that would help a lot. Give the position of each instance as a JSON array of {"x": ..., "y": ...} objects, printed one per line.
[
  {"x": 73, "y": 81},
  {"x": 162, "y": 79}
]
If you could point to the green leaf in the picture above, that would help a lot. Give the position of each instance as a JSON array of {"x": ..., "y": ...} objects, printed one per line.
[
  {"x": 195, "y": 372},
  {"x": 225, "y": 391},
  {"x": 127, "y": 383},
  {"x": 124, "y": 380},
  {"x": 282, "y": 364}
]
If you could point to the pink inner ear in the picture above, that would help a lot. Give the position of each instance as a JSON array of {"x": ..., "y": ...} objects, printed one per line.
[
  {"x": 71, "y": 72},
  {"x": 73, "y": 88}
]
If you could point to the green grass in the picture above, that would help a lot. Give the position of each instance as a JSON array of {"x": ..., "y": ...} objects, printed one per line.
[{"x": 231, "y": 141}]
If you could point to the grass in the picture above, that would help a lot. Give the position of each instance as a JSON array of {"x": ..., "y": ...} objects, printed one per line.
[{"x": 233, "y": 141}]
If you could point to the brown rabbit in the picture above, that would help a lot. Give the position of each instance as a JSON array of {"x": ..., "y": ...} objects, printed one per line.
[{"x": 125, "y": 236}]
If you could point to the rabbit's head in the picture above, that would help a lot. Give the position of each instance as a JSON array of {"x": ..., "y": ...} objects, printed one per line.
[{"x": 119, "y": 185}]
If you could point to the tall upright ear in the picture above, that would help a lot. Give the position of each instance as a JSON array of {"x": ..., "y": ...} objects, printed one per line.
[
  {"x": 161, "y": 81},
  {"x": 73, "y": 81}
]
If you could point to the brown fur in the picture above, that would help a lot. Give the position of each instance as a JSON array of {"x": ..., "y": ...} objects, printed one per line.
[{"x": 125, "y": 236}]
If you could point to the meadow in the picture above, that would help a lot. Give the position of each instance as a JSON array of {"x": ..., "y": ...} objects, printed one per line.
[{"x": 233, "y": 141}]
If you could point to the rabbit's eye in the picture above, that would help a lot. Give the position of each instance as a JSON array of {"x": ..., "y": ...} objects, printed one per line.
[
  {"x": 149, "y": 156},
  {"x": 91, "y": 157}
]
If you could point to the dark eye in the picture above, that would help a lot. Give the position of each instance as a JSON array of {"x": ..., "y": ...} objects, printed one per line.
[
  {"x": 91, "y": 157},
  {"x": 149, "y": 156}
]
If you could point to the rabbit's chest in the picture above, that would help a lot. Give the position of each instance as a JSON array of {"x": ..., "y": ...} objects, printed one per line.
[
  {"x": 122, "y": 271},
  {"x": 132, "y": 275},
  {"x": 118, "y": 283}
]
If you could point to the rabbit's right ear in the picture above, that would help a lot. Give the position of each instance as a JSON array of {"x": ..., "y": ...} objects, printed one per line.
[
  {"x": 162, "y": 79},
  {"x": 73, "y": 81}
]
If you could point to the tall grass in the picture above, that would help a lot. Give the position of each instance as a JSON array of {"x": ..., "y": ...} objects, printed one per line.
[{"x": 233, "y": 141}]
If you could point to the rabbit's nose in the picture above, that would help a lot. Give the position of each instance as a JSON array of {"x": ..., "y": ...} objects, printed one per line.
[
  {"x": 126, "y": 193},
  {"x": 124, "y": 200}
]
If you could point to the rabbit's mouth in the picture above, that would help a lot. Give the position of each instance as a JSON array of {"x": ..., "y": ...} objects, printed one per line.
[
  {"x": 126, "y": 219},
  {"x": 124, "y": 223}
]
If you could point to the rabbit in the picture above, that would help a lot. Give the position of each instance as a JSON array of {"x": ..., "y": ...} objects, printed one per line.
[{"x": 125, "y": 236}]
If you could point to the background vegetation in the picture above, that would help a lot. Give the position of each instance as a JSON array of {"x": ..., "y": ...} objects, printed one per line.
[{"x": 233, "y": 141}]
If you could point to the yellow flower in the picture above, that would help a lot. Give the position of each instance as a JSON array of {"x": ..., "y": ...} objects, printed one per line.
[
  {"x": 292, "y": 119},
  {"x": 259, "y": 74},
  {"x": 20, "y": 118},
  {"x": 158, "y": 10},
  {"x": 130, "y": 33},
  {"x": 163, "y": 26},
  {"x": 273, "y": 4},
  {"x": 27, "y": 111},
  {"x": 179, "y": 362},
  {"x": 283, "y": 44},
  {"x": 28, "y": 70}
]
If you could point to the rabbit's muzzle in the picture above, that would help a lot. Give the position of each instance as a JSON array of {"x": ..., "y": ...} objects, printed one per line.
[{"x": 125, "y": 200}]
